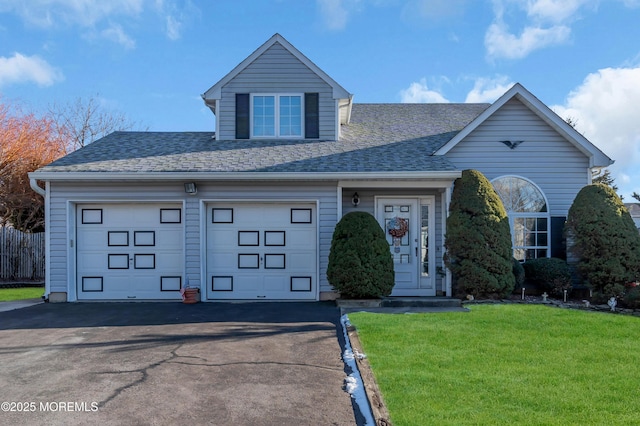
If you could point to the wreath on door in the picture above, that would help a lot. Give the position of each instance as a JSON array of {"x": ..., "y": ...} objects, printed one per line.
[{"x": 398, "y": 228}]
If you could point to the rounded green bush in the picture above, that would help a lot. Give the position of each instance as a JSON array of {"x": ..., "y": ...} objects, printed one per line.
[
  {"x": 549, "y": 274},
  {"x": 360, "y": 262},
  {"x": 605, "y": 241},
  {"x": 478, "y": 239}
]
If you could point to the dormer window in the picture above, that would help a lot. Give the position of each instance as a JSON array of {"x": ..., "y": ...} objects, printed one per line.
[
  {"x": 277, "y": 116},
  {"x": 280, "y": 116}
]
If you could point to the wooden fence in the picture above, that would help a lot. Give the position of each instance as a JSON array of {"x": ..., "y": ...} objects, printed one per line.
[{"x": 21, "y": 255}]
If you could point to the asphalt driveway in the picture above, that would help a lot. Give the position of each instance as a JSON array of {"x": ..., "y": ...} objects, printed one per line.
[{"x": 171, "y": 363}]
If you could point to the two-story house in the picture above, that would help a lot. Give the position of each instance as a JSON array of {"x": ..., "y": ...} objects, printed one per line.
[{"x": 247, "y": 212}]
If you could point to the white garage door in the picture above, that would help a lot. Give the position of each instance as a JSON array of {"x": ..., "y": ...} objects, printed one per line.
[
  {"x": 261, "y": 251},
  {"x": 129, "y": 252}
]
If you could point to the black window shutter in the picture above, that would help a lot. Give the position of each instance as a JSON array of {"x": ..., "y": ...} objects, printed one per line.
[
  {"x": 311, "y": 116},
  {"x": 558, "y": 243},
  {"x": 242, "y": 116}
]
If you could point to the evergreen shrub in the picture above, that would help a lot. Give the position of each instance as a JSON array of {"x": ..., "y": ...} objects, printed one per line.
[
  {"x": 605, "y": 241},
  {"x": 549, "y": 274},
  {"x": 478, "y": 239},
  {"x": 360, "y": 262}
]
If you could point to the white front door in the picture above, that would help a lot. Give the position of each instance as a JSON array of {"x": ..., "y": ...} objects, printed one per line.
[{"x": 406, "y": 223}]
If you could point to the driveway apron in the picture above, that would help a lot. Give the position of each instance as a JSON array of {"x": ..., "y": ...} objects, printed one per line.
[{"x": 171, "y": 363}]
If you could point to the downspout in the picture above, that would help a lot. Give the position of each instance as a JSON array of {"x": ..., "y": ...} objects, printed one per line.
[{"x": 34, "y": 185}]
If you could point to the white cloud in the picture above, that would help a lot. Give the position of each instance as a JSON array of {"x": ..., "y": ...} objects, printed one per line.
[
  {"x": 176, "y": 16},
  {"x": 116, "y": 34},
  {"x": 418, "y": 92},
  {"x": 556, "y": 10},
  {"x": 336, "y": 13},
  {"x": 24, "y": 69},
  {"x": 85, "y": 13},
  {"x": 487, "y": 90},
  {"x": 500, "y": 43},
  {"x": 173, "y": 28},
  {"x": 605, "y": 110},
  {"x": 544, "y": 23}
]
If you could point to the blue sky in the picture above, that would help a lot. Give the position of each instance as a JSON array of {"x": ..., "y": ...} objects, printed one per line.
[{"x": 151, "y": 59}]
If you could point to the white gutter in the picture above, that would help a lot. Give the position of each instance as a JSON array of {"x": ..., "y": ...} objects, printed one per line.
[
  {"x": 33, "y": 183},
  {"x": 228, "y": 176}
]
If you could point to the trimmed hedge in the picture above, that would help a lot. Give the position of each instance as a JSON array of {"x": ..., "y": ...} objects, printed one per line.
[
  {"x": 360, "y": 262},
  {"x": 478, "y": 239}
]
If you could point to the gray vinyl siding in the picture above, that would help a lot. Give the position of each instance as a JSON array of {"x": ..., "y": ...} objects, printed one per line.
[
  {"x": 277, "y": 71},
  {"x": 545, "y": 157},
  {"x": 62, "y": 193}
]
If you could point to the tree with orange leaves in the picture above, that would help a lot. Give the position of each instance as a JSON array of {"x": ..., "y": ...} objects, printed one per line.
[{"x": 27, "y": 142}]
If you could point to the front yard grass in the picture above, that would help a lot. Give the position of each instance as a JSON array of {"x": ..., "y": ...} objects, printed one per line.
[
  {"x": 10, "y": 294},
  {"x": 505, "y": 364}
]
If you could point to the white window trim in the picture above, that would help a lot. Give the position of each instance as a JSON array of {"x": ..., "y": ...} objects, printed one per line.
[
  {"x": 512, "y": 214},
  {"x": 277, "y": 116}
]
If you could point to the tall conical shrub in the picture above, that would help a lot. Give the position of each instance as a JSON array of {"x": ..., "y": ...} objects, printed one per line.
[
  {"x": 478, "y": 239},
  {"x": 360, "y": 263},
  {"x": 605, "y": 241}
]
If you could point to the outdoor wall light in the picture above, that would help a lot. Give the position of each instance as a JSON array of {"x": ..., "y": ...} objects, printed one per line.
[
  {"x": 355, "y": 200},
  {"x": 190, "y": 188}
]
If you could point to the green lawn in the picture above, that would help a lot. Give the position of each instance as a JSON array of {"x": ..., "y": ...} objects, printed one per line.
[
  {"x": 505, "y": 365},
  {"x": 8, "y": 294}
]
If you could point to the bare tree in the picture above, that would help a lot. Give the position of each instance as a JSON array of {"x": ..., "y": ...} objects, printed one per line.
[
  {"x": 28, "y": 142},
  {"x": 83, "y": 121}
]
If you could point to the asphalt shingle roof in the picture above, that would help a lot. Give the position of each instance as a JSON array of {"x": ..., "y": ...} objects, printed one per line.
[{"x": 379, "y": 138}]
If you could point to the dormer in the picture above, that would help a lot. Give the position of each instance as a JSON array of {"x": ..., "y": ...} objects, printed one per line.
[{"x": 278, "y": 93}]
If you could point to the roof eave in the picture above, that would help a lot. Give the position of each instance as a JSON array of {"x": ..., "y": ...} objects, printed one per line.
[{"x": 237, "y": 176}]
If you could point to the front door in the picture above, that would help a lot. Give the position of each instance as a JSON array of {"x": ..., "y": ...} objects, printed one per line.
[{"x": 406, "y": 223}]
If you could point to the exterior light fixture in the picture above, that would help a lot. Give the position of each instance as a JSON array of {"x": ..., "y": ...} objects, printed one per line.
[
  {"x": 190, "y": 188},
  {"x": 355, "y": 200}
]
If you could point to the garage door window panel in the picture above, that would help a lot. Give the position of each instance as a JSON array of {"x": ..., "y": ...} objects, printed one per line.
[
  {"x": 275, "y": 238},
  {"x": 144, "y": 261},
  {"x": 170, "y": 215},
  {"x": 248, "y": 261},
  {"x": 301, "y": 216},
  {"x": 221, "y": 283},
  {"x": 92, "y": 216},
  {"x": 92, "y": 284},
  {"x": 170, "y": 283},
  {"x": 248, "y": 238},
  {"x": 274, "y": 261},
  {"x": 118, "y": 261},
  {"x": 222, "y": 216},
  {"x": 118, "y": 238},
  {"x": 300, "y": 283},
  {"x": 144, "y": 238}
]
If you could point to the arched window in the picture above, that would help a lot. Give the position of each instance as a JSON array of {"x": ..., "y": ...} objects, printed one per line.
[{"x": 528, "y": 213}]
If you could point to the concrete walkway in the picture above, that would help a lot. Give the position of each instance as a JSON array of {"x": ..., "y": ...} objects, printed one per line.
[{"x": 18, "y": 304}]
